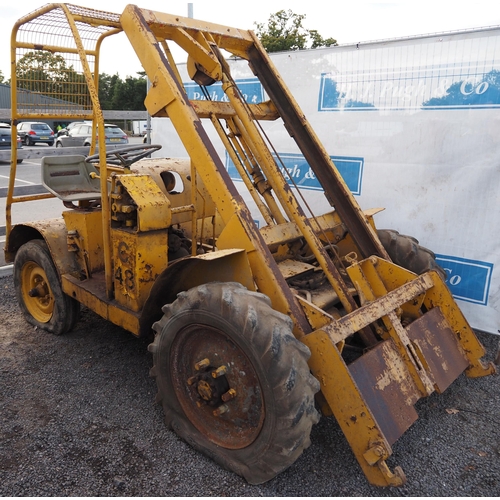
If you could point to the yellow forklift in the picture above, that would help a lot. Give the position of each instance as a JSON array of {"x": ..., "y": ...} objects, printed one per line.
[{"x": 255, "y": 329}]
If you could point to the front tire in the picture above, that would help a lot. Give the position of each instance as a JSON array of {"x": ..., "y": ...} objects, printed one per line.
[
  {"x": 233, "y": 380},
  {"x": 39, "y": 292}
]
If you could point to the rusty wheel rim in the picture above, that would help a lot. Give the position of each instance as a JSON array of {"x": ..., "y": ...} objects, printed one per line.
[{"x": 217, "y": 386}]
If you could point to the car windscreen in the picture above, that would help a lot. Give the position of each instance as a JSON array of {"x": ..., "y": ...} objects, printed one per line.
[
  {"x": 40, "y": 126},
  {"x": 113, "y": 131}
]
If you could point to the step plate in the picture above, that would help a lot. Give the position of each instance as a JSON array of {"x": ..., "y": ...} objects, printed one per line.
[
  {"x": 439, "y": 347},
  {"x": 387, "y": 388}
]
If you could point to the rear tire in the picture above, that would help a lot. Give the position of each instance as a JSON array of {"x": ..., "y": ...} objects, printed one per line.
[
  {"x": 39, "y": 292},
  {"x": 406, "y": 252},
  {"x": 264, "y": 427}
]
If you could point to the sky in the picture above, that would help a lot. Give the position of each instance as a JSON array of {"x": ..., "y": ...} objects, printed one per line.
[{"x": 348, "y": 21}]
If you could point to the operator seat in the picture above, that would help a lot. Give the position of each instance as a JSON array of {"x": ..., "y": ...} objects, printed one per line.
[{"x": 69, "y": 178}]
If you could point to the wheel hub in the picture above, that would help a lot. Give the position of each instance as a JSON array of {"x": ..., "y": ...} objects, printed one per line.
[
  {"x": 36, "y": 292},
  {"x": 217, "y": 386},
  {"x": 210, "y": 383},
  {"x": 40, "y": 290}
]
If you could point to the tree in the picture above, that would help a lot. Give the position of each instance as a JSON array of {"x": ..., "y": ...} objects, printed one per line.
[
  {"x": 129, "y": 94},
  {"x": 46, "y": 73},
  {"x": 2, "y": 78},
  {"x": 284, "y": 31},
  {"x": 107, "y": 85}
]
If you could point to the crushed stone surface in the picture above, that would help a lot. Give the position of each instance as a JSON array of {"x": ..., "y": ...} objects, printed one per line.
[{"x": 78, "y": 419}]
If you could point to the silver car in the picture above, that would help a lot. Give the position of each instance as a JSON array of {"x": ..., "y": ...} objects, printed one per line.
[{"x": 81, "y": 135}]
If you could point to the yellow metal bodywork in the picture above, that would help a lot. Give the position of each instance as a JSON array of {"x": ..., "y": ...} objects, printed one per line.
[
  {"x": 400, "y": 296},
  {"x": 416, "y": 340},
  {"x": 94, "y": 297},
  {"x": 85, "y": 239},
  {"x": 149, "y": 202},
  {"x": 139, "y": 259},
  {"x": 351, "y": 411}
]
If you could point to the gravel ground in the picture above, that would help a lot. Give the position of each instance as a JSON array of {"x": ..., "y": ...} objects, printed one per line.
[{"x": 78, "y": 419}]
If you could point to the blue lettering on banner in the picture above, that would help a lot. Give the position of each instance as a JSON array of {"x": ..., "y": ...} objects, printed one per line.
[
  {"x": 251, "y": 88},
  {"x": 297, "y": 171},
  {"x": 468, "y": 280},
  {"x": 429, "y": 87}
]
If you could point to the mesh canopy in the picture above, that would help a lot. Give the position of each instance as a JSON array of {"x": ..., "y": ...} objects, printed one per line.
[{"x": 49, "y": 71}]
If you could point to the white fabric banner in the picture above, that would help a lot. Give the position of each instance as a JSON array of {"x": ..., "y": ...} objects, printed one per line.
[{"x": 413, "y": 126}]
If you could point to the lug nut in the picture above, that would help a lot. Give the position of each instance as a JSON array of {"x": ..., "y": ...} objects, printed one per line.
[
  {"x": 227, "y": 396},
  {"x": 204, "y": 363},
  {"x": 192, "y": 380},
  {"x": 222, "y": 370},
  {"x": 219, "y": 411}
]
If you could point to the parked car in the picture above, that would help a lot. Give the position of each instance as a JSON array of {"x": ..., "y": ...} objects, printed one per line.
[
  {"x": 81, "y": 135},
  {"x": 33, "y": 132},
  {"x": 5, "y": 139},
  {"x": 65, "y": 130}
]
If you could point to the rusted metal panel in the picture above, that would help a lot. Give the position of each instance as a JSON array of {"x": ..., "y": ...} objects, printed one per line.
[
  {"x": 372, "y": 311},
  {"x": 352, "y": 411},
  {"x": 291, "y": 268},
  {"x": 387, "y": 388},
  {"x": 139, "y": 258},
  {"x": 262, "y": 111},
  {"x": 88, "y": 228},
  {"x": 92, "y": 293},
  {"x": 439, "y": 348},
  {"x": 153, "y": 206}
]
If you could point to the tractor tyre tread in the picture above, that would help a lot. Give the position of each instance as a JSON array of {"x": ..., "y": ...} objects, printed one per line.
[
  {"x": 405, "y": 251},
  {"x": 267, "y": 337}
]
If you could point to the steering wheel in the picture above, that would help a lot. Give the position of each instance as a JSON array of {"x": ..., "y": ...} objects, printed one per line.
[{"x": 126, "y": 156}]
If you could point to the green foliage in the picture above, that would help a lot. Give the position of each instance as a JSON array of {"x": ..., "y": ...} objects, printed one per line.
[
  {"x": 106, "y": 89},
  {"x": 2, "y": 78},
  {"x": 284, "y": 31},
  {"x": 129, "y": 94},
  {"x": 46, "y": 73}
]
